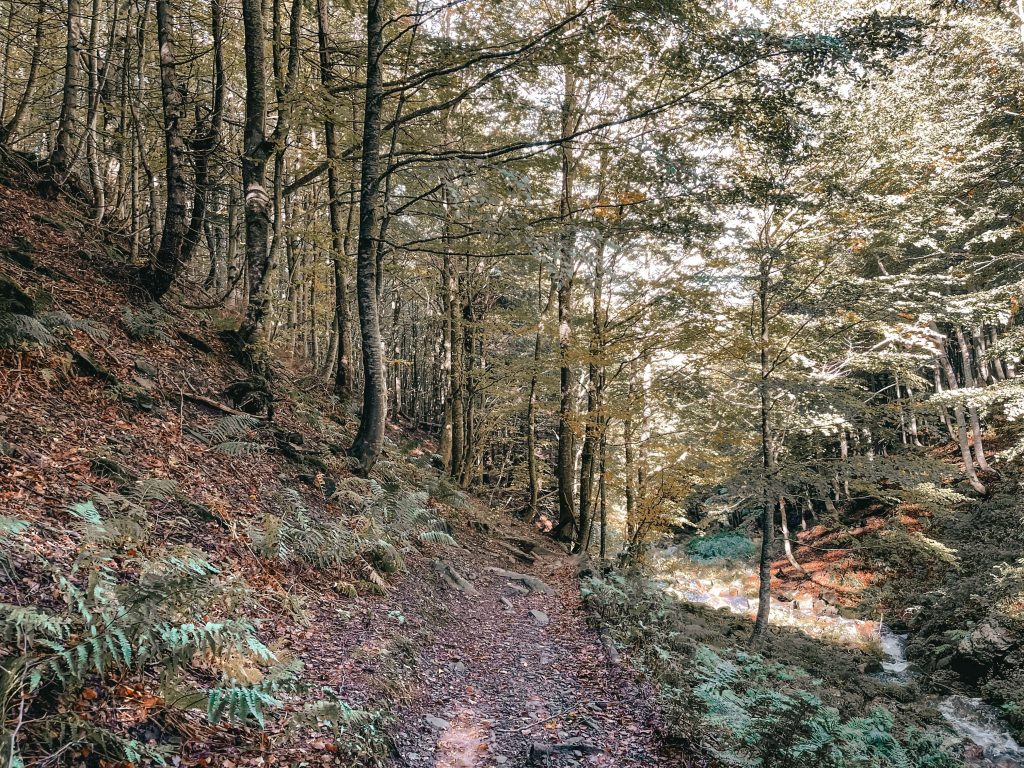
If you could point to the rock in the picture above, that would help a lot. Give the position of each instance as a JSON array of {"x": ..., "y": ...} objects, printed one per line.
[
  {"x": 147, "y": 368},
  {"x": 437, "y": 723},
  {"x": 500, "y": 759},
  {"x": 530, "y": 582},
  {"x": 507, "y": 603},
  {"x": 251, "y": 396},
  {"x": 518, "y": 554},
  {"x": 459, "y": 668},
  {"x": 453, "y": 578},
  {"x": 85, "y": 365},
  {"x": 540, "y": 618},
  {"x": 988, "y": 643},
  {"x": 13, "y": 299}
]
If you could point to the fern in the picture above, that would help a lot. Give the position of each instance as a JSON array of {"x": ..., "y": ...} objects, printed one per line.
[
  {"x": 20, "y": 625},
  {"x": 126, "y": 609},
  {"x": 241, "y": 448},
  {"x": 297, "y": 535},
  {"x": 226, "y": 435},
  {"x": 437, "y": 537},
  {"x": 359, "y": 734},
  {"x": 23, "y": 333},
  {"x": 764, "y": 715},
  {"x": 145, "y": 324}
]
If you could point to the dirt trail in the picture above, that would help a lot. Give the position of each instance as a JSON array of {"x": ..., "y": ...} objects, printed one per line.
[{"x": 513, "y": 677}]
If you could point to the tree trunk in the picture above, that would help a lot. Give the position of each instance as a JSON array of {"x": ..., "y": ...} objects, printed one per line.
[
  {"x": 764, "y": 591},
  {"x": 594, "y": 386},
  {"x": 158, "y": 276},
  {"x": 256, "y": 151},
  {"x": 565, "y": 463},
  {"x": 9, "y": 130},
  {"x": 972, "y": 411},
  {"x": 63, "y": 152},
  {"x": 96, "y": 178},
  {"x": 369, "y": 439},
  {"x": 602, "y": 489},
  {"x": 209, "y": 139},
  {"x": 958, "y": 412},
  {"x": 342, "y": 372}
]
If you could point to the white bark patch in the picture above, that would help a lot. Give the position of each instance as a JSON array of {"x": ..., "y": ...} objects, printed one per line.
[{"x": 256, "y": 197}]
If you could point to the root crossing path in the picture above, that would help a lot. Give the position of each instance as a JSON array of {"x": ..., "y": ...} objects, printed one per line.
[{"x": 511, "y": 674}]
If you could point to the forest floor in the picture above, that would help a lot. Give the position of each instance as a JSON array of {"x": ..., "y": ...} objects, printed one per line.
[
  {"x": 506, "y": 674},
  {"x": 487, "y": 672}
]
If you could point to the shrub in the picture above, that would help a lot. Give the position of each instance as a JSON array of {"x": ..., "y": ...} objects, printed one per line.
[{"x": 725, "y": 545}]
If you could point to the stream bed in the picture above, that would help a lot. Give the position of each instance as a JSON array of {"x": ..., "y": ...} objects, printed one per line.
[{"x": 971, "y": 718}]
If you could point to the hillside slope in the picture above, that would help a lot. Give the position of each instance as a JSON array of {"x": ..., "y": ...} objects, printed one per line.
[{"x": 184, "y": 582}]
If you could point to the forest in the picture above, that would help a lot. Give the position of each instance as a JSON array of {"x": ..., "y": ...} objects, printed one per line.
[{"x": 471, "y": 383}]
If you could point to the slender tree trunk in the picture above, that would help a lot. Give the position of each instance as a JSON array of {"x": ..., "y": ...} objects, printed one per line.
[
  {"x": 342, "y": 372},
  {"x": 985, "y": 375},
  {"x": 209, "y": 140},
  {"x": 787, "y": 544},
  {"x": 588, "y": 460},
  {"x": 629, "y": 461},
  {"x": 63, "y": 152},
  {"x": 532, "y": 470},
  {"x": 458, "y": 377},
  {"x": 972, "y": 411},
  {"x": 9, "y": 130},
  {"x": 943, "y": 413},
  {"x": 602, "y": 490},
  {"x": 370, "y": 438},
  {"x": 566, "y": 457},
  {"x": 997, "y": 365},
  {"x": 96, "y": 179},
  {"x": 764, "y": 591},
  {"x": 256, "y": 151},
  {"x": 158, "y": 276},
  {"x": 912, "y": 410},
  {"x": 958, "y": 412}
]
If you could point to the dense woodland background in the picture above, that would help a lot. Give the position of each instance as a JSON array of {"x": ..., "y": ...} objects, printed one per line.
[{"x": 630, "y": 267}]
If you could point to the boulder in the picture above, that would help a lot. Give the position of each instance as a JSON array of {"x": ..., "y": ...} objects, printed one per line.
[{"x": 986, "y": 644}]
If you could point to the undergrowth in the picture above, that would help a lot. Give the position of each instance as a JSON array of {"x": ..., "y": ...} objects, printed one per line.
[
  {"x": 741, "y": 708},
  {"x": 155, "y": 617}
]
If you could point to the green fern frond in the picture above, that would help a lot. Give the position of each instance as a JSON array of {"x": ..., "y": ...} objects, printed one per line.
[
  {"x": 240, "y": 448},
  {"x": 230, "y": 427},
  {"x": 58, "y": 321},
  {"x": 22, "y": 333},
  {"x": 437, "y": 537},
  {"x": 26, "y": 624}
]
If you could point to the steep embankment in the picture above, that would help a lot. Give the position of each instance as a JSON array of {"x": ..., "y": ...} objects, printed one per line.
[{"x": 177, "y": 572}]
